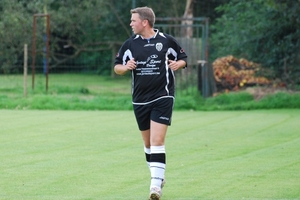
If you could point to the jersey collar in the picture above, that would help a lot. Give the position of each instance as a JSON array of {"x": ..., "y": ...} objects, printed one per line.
[{"x": 154, "y": 36}]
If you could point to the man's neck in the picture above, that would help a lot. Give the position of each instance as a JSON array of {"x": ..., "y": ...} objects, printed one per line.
[{"x": 149, "y": 34}]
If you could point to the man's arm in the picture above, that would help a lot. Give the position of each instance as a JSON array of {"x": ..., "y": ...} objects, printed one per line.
[{"x": 122, "y": 69}]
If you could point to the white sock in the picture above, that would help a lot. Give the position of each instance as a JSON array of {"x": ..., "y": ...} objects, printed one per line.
[{"x": 157, "y": 165}]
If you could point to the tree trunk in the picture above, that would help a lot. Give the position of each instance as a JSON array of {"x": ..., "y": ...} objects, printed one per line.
[{"x": 187, "y": 30}]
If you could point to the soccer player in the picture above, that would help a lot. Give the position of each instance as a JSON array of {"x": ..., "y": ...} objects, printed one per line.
[{"x": 152, "y": 57}]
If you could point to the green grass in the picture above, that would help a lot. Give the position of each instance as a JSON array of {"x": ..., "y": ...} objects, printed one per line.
[
  {"x": 66, "y": 92},
  {"x": 93, "y": 92},
  {"x": 93, "y": 155}
]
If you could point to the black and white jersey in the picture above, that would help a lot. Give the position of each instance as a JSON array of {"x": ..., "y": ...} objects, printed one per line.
[{"x": 152, "y": 79}]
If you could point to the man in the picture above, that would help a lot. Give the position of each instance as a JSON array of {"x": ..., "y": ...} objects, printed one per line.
[{"x": 151, "y": 57}]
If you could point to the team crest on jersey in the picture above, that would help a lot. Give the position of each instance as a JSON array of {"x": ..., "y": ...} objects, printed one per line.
[{"x": 159, "y": 46}]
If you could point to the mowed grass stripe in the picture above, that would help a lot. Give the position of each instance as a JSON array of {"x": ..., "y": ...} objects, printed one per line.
[
  {"x": 99, "y": 155},
  {"x": 62, "y": 146},
  {"x": 223, "y": 152}
]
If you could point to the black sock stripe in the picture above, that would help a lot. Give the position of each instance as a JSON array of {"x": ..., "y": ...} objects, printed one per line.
[
  {"x": 158, "y": 157},
  {"x": 147, "y": 157}
]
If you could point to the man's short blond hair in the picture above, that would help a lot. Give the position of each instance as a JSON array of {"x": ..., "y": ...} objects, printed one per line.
[{"x": 145, "y": 13}]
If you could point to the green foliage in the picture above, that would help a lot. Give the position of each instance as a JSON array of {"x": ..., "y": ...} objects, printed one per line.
[
  {"x": 15, "y": 31},
  {"x": 245, "y": 101},
  {"x": 227, "y": 101},
  {"x": 186, "y": 103},
  {"x": 281, "y": 100},
  {"x": 76, "y": 27},
  {"x": 266, "y": 32},
  {"x": 166, "y": 8},
  {"x": 86, "y": 30},
  {"x": 91, "y": 92},
  {"x": 230, "y": 98}
]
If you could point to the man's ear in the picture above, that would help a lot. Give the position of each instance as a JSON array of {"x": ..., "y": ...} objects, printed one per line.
[{"x": 145, "y": 22}]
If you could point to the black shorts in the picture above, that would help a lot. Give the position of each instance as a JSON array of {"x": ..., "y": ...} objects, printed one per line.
[{"x": 159, "y": 111}]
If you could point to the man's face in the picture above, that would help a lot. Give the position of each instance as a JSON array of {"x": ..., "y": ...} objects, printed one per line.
[{"x": 136, "y": 24}]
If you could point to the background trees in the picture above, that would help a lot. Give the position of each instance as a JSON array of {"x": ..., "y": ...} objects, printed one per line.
[
  {"x": 85, "y": 32},
  {"x": 266, "y": 32},
  {"x": 82, "y": 32},
  {"x": 15, "y": 30}
]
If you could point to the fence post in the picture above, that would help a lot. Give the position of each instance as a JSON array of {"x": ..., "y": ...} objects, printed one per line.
[
  {"x": 206, "y": 81},
  {"x": 25, "y": 69},
  {"x": 202, "y": 77}
]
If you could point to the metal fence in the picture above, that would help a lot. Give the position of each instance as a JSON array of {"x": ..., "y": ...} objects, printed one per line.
[{"x": 192, "y": 34}]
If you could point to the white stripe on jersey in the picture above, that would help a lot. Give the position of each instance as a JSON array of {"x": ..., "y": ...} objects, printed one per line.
[
  {"x": 173, "y": 52},
  {"x": 167, "y": 73},
  {"x": 161, "y": 34},
  {"x": 127, "y": 54}
]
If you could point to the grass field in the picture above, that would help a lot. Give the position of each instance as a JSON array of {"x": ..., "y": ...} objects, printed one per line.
[
  {"x": 94, "y": 92},
  {"x": 89, "y": 155}
]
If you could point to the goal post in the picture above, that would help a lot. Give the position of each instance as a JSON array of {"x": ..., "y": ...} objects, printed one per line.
[{"x": 47, "y": 45}]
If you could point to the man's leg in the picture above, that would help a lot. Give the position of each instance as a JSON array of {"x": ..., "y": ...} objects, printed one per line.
[
  {"x": 158, "y": 153},
  {"x": 155, "y": 151},
  {"x": 146, "y": 139}
]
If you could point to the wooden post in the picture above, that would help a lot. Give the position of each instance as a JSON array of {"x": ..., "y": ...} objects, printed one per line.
[
  {"x": 113, "y": 56},
  {"x": 25, "y": 69},
  {"x": 33, "y": 50}
]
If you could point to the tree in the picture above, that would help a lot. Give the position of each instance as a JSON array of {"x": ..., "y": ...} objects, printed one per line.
[
  {"x": 74, "y": 24},
  {"x": 14, "y": 25},
  {"x": 93, "y": 27},
  {"x": 266, "y": 32},
  {"x": 206, "y": 8},
  {"x": 188, "y": 14}
]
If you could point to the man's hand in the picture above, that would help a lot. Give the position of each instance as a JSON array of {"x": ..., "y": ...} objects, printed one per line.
[
  {"x": 131, "y": 64},
  {"x": 175, "y": 65}
]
